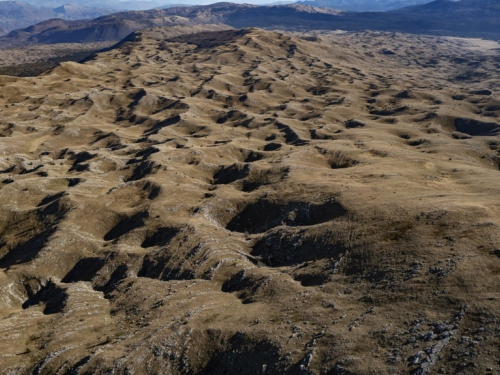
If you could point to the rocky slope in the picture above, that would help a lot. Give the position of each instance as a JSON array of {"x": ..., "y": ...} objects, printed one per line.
[{"x": 246, "y": 201}]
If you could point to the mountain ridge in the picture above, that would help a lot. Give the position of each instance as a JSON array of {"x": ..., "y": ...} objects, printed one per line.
[{"x": 440, "y": 17}]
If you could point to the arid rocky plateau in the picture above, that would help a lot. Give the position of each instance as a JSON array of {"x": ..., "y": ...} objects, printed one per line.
[{"x": 253, "y": 202}]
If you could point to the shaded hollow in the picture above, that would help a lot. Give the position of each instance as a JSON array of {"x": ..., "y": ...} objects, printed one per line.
[
  {"x": 229, "y": 174},
  {"x": 37, "y": 226},
  {"x": 143, "y": 169},
  {"x": 286, "y": 249},
  {"x": 84, "y": 270},
  {"x": 79, "y": 159},
  {"x": 263, "y": 215},
  {"x": 254, "y": 354},
  {"x": 161, "y": 237},
  {"x": 476, "y": 128},
  {"x": 127, "y": 224},
  {"x": 53, "y": 297}
]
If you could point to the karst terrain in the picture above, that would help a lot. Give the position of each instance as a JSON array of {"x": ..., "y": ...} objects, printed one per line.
[{"x": 209, "y": 200}]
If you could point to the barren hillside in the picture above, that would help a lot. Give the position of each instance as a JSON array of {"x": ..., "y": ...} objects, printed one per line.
[{"x": 253, "y": 202}]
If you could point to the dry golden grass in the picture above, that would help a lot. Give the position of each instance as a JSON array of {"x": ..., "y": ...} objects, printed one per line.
[{"x": 247, "y": 201}]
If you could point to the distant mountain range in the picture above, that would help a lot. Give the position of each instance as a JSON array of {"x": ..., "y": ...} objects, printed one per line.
[
  {"x": 115, "y": 4},
  {"x": 471, "y": 18},
  {"x": 19, "y": 14},
  {"x": 116, "y": 26},
  {"x": 364, "y": 5},
  {"x": 15, "y": 14}
]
